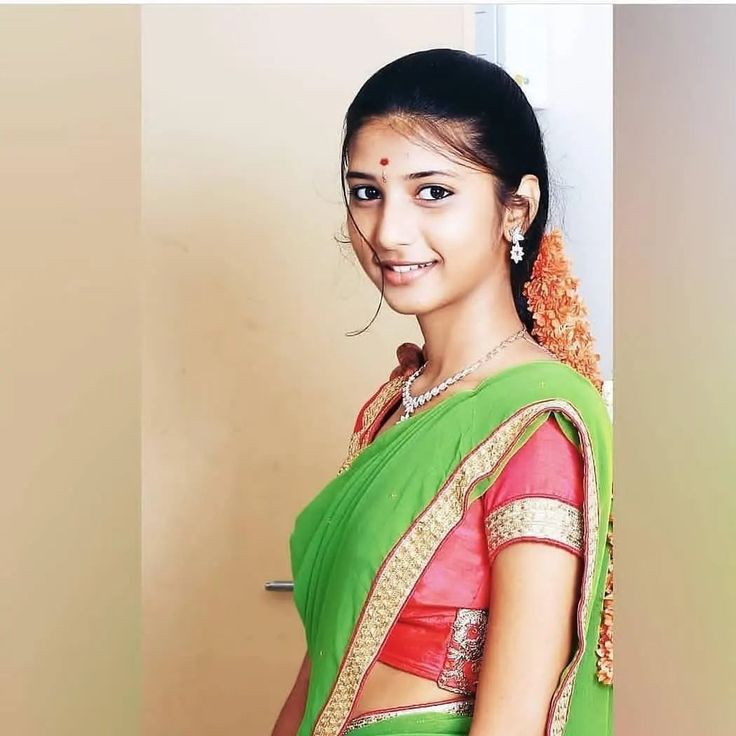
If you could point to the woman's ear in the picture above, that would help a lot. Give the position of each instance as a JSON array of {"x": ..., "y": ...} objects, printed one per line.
[{"x": 529, "y": 189}]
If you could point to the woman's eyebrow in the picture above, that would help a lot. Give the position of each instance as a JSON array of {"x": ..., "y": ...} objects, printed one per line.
[{"x": 415, "y": 175}]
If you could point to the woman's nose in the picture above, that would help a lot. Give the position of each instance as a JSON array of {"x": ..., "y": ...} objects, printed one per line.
[{"x": 396, "y": 225}]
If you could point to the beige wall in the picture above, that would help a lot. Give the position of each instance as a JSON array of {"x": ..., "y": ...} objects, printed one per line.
[
  {"x": 69, "y": 371},
  {"x": 250, "y": 386}
]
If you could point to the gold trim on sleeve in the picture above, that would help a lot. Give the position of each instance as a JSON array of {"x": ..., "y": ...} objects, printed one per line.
[{"x": 538, "y": 517}]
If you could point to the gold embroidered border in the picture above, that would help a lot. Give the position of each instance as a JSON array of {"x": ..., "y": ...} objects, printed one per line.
[
  {"x": 604, "y": 650},
  {"x": 459, "y": 707},
  {"x": 561, "y": 699},
  {"x": 370, "y": 413},
  {"x": 538, "y": 517},
  {"x": 464, "y": 649},
  {"x": 406, "y": 561}
]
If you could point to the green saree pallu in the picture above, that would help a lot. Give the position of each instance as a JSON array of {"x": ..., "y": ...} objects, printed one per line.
[{"x": 360, "y": 546}]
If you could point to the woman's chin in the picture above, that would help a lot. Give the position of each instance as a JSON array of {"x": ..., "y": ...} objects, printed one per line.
[{"x": 410, "y": 304}]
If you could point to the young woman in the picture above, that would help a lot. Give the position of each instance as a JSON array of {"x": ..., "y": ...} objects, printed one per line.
[{"x": 455, "y": 576}]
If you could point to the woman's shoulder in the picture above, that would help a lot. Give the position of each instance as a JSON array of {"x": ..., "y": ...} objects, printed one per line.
[
  {"x": 570, "y": 396},
  {"x": 554, "y": 378},
  {"x": 540, "y": 386}
]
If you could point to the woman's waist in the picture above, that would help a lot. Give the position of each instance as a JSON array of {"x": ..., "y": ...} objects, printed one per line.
[{"x": 389, "y": 688}]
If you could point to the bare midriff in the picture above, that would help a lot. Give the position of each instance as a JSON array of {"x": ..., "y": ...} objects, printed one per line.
[{"x": 387, "y": 687}]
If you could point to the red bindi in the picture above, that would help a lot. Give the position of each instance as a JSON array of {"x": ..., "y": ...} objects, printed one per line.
[{"x": 384, "y": 162}]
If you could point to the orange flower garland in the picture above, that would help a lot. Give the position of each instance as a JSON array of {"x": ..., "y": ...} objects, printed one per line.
[
  {"x": 560, "y": 325},
  {"x": 559, "y": 314}
]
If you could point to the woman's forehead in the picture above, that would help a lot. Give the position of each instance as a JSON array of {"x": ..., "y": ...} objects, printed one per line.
[{"x": 375, "y": 143}]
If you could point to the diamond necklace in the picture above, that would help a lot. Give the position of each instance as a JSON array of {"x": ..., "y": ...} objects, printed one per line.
[{"x": 412, "y": 403}]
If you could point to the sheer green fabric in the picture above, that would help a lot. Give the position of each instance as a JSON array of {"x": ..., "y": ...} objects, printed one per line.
[
  {"x": 359, "y": 546},
  {"x": 427, "y": 724}
]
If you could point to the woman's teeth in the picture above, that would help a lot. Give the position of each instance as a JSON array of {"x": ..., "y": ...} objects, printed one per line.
[
  {"x": 403, "y": 274},
  {"x": 409, "y": 267}
]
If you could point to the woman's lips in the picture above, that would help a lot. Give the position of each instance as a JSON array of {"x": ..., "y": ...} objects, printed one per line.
[{"x": 406, "y": 273}]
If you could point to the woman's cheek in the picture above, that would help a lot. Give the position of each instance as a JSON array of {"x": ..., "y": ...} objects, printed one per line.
[{"x": 365, "y": 256}]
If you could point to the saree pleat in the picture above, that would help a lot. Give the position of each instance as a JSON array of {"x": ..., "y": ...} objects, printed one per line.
[{"x": 361, "y": 544}]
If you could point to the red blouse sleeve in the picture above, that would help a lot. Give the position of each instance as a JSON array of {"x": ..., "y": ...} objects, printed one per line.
[{"x": 539, "y": 494}]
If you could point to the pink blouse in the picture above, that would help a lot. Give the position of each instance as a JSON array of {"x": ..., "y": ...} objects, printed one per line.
[{"x": 440, "y": 632}]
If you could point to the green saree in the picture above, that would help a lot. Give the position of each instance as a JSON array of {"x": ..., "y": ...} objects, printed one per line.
[{"x": 358, "y": 548}]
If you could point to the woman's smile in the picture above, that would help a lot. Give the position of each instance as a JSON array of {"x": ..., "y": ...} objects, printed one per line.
[{"x": 400, "y": 273}]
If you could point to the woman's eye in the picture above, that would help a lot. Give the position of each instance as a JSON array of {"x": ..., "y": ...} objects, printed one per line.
[
  {"x": 365, "y": 193},
  {"x": 435, "y": 192}
]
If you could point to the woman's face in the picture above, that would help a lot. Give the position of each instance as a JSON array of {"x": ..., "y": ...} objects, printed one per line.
[{"x": 433, "y": 222}]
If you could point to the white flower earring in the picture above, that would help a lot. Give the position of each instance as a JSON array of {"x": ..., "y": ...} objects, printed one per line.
[{"x": 517, "y": 252}]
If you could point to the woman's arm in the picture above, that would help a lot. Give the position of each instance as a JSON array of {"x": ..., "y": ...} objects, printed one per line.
[
  {"x": 531, "y": 630},
  {"x": 292, "y": 711}
]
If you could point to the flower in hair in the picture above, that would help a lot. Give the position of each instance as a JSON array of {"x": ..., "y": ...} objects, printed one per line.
[{"x": 560, "y": 316}]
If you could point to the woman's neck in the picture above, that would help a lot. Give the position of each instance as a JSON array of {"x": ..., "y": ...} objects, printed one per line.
[{"x": 462, "y": 332}]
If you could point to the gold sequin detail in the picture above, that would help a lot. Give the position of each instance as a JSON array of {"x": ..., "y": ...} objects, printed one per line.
[
  {"x": 358, "y": 440},
  {"x": 405, "y": 563},
  {"x": 458, "y": 707},
  {"x": 464, "y": 651},
  {"x": 604, "y": 650},
  {"x": 535, "y": 516}
]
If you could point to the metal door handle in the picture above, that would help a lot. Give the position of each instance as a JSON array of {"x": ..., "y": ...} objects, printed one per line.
[{"x": 280, "y": 585}]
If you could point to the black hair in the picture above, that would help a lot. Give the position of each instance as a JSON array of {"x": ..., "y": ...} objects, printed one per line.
[{"x": 477, "y": 110}]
